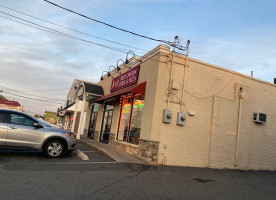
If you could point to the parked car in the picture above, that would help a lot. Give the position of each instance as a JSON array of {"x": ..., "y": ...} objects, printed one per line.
[{"x": 22, "y": 131}]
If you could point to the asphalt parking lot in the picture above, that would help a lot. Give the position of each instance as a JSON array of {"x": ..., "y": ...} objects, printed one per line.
[
  {"x": 31, "y": 175},
  {"x": 34, "y": 157}
]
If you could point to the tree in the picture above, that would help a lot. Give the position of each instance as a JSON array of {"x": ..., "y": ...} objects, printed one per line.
[{"x": 2, "y": 98}]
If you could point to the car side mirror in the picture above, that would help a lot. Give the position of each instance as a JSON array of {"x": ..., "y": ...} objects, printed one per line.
[{"x": 38, "y": 125}]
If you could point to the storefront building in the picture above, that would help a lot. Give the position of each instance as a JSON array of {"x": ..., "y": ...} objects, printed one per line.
[
  {"x": 73, "y": 116},
  {"x": 166, "y": 108},
  {"x": 66, "y": 116},
  {"x": 10, "y": 105}
]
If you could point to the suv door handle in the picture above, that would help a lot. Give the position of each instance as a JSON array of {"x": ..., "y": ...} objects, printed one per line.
[{"x": 13, "y": 127}]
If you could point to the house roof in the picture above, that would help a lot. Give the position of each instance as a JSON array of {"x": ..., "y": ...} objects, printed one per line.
[
  {"x": 70, "y": 105},
  {"x": 9, "y": 103},
  {"x": 81, "y": 81},
  {"x": 93, "y": 88}
]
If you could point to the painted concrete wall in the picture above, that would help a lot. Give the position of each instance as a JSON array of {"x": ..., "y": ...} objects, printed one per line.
[
  {"x": 209, "y": 139},
  {"x": 149, "y": 72},
  {"x": 222, "y": 133}
]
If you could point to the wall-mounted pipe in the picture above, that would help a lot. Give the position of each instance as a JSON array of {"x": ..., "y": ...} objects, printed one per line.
[
  {"x": 170, "y": 82},
  {"x": 184, "y": 77},
  {"x": 239, "y": 127}
]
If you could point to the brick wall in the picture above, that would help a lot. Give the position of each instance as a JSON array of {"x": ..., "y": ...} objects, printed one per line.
[{"x": 148, "y": 151}]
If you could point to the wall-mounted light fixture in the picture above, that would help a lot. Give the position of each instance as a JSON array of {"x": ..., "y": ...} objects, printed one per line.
[
  {"x": 118, "y": 68},
  {"x": 109, "y": 74},
  {"x": 127, "y": 61},
  {"x": 102, "y": 75}
]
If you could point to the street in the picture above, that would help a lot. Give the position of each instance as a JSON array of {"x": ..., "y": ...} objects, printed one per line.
[{"x": 33, "y": 176}]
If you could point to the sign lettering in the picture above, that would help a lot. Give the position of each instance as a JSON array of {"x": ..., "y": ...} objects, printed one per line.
[{"x": 126, "y": 79}]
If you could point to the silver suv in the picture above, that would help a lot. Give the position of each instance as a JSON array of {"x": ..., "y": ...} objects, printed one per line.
[{"x": 22, "y": 131}]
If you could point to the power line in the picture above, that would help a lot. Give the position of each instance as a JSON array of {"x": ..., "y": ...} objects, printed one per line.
[
  {"x": 47, "y": 101},
  {"x": 70, "y": 36},
  {"x": 64, "y": 34},
  {"x": 72, "y": 29},
  {"x": 121, "y": 29},
  {"x": 30, "y": 100},
  {"x": 61, "y": 33},
  {"x": 27, "y": 103},
  {"x": 67, "y": 35},
  {"x": 47, "y": 89},
  {"x": 31, "y": 94}
]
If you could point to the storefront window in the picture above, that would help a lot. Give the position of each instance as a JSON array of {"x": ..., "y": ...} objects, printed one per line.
[
  {"x": 131, "y": 119},
  {"x": 136, "y": 120}
]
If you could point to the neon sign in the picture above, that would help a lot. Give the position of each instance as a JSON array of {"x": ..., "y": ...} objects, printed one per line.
[
  {"x": 127, "y": 108},
  {"x": 138, "y": 104}
]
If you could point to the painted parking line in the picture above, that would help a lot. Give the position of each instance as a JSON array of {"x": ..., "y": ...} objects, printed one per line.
[
  {"x": 89, "y": 151},
  {"x": 58, "y": 163}
]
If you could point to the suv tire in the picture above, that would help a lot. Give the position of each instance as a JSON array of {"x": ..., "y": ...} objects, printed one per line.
[{"x": 54, "y": 148}]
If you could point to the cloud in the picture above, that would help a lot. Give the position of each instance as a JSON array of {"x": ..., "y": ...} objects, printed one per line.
[
  {"x": 247, "y": 53},
  {"x": 32, "y": 59}
]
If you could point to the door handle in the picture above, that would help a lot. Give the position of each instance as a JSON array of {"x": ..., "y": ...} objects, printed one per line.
[{"x": 13, "y": 127}]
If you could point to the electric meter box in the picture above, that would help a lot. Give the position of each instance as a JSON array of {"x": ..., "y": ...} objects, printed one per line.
[
  {"x": 181, "y": 118},
  {"x": 167, "y": 116}
]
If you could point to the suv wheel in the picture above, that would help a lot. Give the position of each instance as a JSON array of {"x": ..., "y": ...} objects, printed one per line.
[{"x": 54, "y": 148}]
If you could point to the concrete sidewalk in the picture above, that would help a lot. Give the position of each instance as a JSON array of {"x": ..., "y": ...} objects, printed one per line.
[{"x": 114, "y": 153}]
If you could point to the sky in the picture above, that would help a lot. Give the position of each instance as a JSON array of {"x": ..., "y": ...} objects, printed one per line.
[{"x": 236, "y": 34}]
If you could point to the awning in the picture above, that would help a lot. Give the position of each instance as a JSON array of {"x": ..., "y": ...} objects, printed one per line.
[{"x": 138, "y": 88}]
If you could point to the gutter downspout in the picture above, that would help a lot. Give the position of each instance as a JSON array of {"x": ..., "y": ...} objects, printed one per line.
[
  {"x": 211, "y": 132},
  {"x": 238, "y": 127},
  {"x": 184, "y": 76},
  {"x": 170, "y": 82}
]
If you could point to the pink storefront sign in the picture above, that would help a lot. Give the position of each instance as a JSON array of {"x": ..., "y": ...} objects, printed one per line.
[{"x": 126, "y": 79}]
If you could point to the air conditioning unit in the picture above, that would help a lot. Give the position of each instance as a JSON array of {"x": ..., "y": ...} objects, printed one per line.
[{"x": 259, "y": 118}]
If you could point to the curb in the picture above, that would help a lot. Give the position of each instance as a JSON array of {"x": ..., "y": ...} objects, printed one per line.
[
  {"x": 97, "y": 149},
  {"x": 81, "y": 155}
]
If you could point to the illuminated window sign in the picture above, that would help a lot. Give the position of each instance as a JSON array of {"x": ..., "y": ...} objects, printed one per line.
[{"x": 138, "y": 104}]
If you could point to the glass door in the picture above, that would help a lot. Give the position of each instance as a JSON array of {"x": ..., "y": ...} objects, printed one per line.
[
  {"x": 107, "y": 122},
  {"x": 93, "y": 120}
]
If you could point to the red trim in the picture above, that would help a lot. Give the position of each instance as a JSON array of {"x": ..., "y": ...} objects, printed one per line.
[{"x": 139, "y": 88}]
